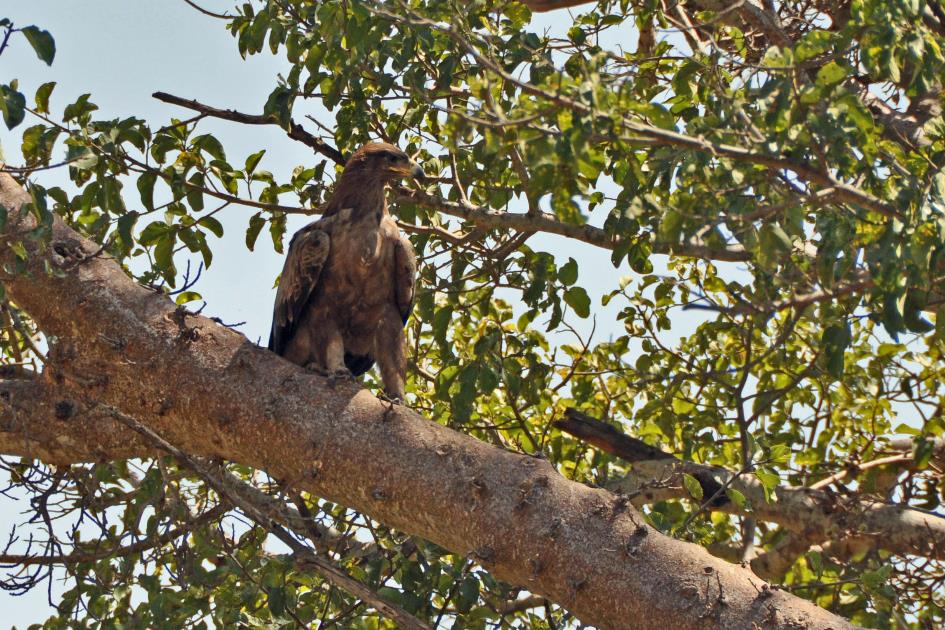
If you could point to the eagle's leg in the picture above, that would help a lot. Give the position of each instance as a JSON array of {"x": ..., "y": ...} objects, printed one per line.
[
  {"x": 340, "y": 376},
  {"x": 329, "y": 350},
  {"x": 315, "y": 368},
  {"x": 344, "y": 374},
  {"x": 390, "y": 353}
]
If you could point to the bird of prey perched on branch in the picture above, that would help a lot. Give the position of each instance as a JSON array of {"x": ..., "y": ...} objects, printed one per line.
[{"x": 347, "y": 283}]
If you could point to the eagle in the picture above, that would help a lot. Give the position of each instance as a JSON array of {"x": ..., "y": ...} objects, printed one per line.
[{"x": 347, "y": 283}]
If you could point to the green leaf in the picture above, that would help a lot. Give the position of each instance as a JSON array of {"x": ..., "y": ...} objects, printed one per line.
[
  {"x": 518, "y": 13},
  {"x": 892, "y": 314},
  {"x": 124, "y": 225},
  {"x": 834, "y": 342},
  {"x": 279, "y": 105},
  {"x": 670, "y": 226},
  {"x": 737, "y": 498},
  {"x": 924, "y": 449},
  {"x": 205, "y": 252},
  {"x": 568, "y": 274},
  {"x": 277, "y": 601},
  {"x": 876, "y": 580},
  {"x": 577, "y": 298},
  {"x": 81, "y": 157},
  {"x": 441, "y": 321},
  {"x": 211, "y": 145},
  {"x": 693, "y": 487},
  {"x": 914, "y": 321},
  {"x": 468, "y": 593},
  {"x": 682, "y": 406},
  {"x": 146, "y": 189},
  {"x": 779, "y": 453},
  {"x": 256, "y": 223},
  {"x": 831, "y": 74},
  {"x": 42, "y": 97},
  {"x": 277, "y": 231},
  {"x": 42, "y": 43},
  {"x": 78, "y": 109},
  {"x": 489, "y": 380},
  {"x": 19, "y": 250},
  {"x": 577, "y": 35},
  {"x": 153, "y": 232},
  {"x": 769, "y": 482},
  {"x": 463, "y": 401},
  {"x": 187, "y": 296},
  {"x": 213, "y": 225},
  {"x": 12, "y": 106},
  {"x": 773, "y": 237},
  {"x": 164, "y": 255},
  {"x": 659, "y": 116},
  {"x": 252, "y": 161},
  {"x": 195, "y": 191},
  {"x": 813, "y": 44}
]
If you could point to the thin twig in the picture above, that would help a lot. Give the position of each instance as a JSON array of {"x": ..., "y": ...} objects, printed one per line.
[
  {"x": 294, "y": 131},
  {"x": 220, "y": 16}
]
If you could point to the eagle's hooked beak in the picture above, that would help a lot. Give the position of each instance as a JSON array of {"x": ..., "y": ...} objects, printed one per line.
[{"x": 416, "y": 171}]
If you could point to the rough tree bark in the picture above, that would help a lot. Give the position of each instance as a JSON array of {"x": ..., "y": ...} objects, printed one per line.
[{"x": 212, "y": 393}]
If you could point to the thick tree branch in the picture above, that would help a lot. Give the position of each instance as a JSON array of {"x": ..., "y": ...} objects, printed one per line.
[
  {"x": 768, "y": 565},
  {"x": 906, "y": 128},
  {"x": 908, "y": 444},
  {"x": 212, "y": 393},
  {"x": 773, "y": 564},
  {"x": 39, "y": 420},
  {"x": 814, "y": 515}
]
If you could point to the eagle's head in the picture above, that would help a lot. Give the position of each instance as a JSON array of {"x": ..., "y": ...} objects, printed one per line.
[{"x": 381, "y": 162}]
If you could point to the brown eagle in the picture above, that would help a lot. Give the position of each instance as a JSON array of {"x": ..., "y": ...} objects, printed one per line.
[{"x": 347, "y": 282}]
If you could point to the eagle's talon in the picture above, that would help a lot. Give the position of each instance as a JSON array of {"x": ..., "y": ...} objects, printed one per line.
[
  {"x": 393, "y": 400},
  {"x": 314, "y": 368},
  {"x": 342, "y": 375}
]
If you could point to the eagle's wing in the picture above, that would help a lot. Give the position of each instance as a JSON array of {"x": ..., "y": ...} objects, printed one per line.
[
  {"x": 308, "y": 252},
  {"x": 405, "y": 276}
]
